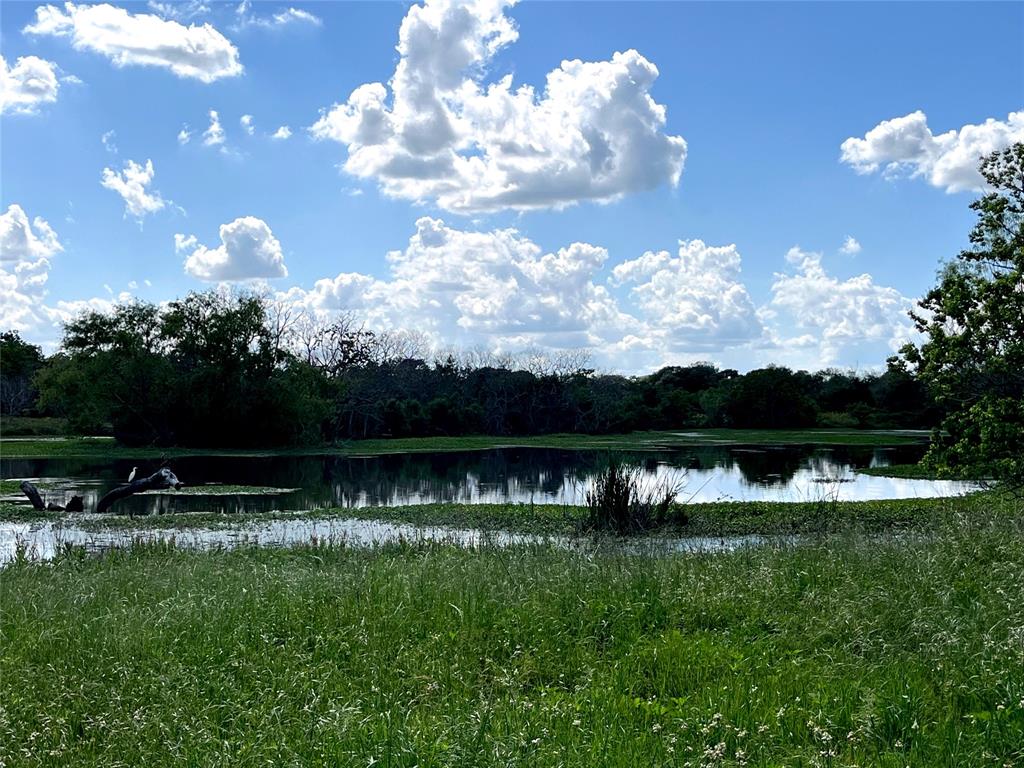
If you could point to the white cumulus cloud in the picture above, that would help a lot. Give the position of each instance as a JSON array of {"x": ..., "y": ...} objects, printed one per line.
[
  {"x": 496, "y": 288},
  {"x": 834, "y": 315},
  {"x": 30, "y": 82},
  {"x": 500, "y": 291},
  {"x": 185, "y": 242},
  {"x": 130, "y": 39},
  {"x": 22, "y": 241},
  {"x": 282, "y": 133},
  {"x": 248, "y": 250},
  {"x": 213, "y": 136},
  {"x": 25, "y": 251},
  {"x": 246, "y": 122},
  {"x": 132, "y": 184},
  {"x": 850, "y": 246},
  {"x": 440, "y": 133},
  {"x": 906, "y": 146},
  {"x": 694, "y": 301}
]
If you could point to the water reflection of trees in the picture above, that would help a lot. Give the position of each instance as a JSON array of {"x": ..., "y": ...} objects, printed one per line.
[
  {"x": 495, "y": 475},
  {"x": 502, "y": 474},
  {"x": 769, "y": 466}
]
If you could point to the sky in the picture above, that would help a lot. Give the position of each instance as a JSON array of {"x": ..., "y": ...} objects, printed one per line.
[{"x": 658, "y": 183}]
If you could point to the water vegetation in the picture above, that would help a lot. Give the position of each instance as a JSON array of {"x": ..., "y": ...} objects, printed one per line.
[
  {"x": 10, "y": 487},
  {"x": 217, "y": 489},
  {"x": 903, "y": 471},
  {"x": 823, "y": 516},
  {"x": 926, "y": 470},
  {"x": 899, "y": 651}
]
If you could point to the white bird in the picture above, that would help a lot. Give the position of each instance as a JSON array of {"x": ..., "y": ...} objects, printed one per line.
[{"x": 132, "y": 475}]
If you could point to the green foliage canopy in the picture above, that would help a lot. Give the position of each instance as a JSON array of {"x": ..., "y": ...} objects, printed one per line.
[{"x": 973, "y": 358}]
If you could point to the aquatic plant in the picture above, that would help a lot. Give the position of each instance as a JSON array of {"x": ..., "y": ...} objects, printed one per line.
[{"x": 623, "y": 501}]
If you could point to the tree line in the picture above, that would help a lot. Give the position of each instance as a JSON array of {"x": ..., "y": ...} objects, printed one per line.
[{"x": 241, "y": 370}]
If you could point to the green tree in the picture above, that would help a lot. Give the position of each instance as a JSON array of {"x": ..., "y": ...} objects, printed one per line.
[
  {"x": 973, "y": 358},
  {"x": 19, "y": 362},
  {"x": 205, "y": 370},
  {"x": 111, "y": 370},
  {"x": 769, "y": 398}
]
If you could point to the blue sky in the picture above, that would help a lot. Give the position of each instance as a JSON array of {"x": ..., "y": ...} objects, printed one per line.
[{"x": 771, "y": 133}]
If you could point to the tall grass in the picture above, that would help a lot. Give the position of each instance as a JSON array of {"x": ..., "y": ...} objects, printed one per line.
[
  {"x": 624, "y": 501},
  {"x": 898, "y": 651}
]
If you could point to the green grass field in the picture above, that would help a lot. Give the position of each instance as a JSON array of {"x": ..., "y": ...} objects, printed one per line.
[
  {"x": 101, "y": 447},
  {"x": 850, "y": 650}
]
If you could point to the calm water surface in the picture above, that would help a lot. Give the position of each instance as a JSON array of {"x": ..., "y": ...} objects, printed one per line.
[
  {"x": 538, "y": 475},
  {"x": 543, "y": 476}
]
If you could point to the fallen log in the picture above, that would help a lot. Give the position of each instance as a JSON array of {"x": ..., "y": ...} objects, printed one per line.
[
  {"x": 158, "y": 481},
  {"x": 33, "y": 495},
  {"x": 75, "y": 505}
]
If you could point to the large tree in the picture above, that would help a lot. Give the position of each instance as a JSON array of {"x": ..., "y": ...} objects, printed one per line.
[
  {"x": 204, "y": 370},
  {"x": 973, "y": 356},
  {"x": 19, "y": 362}
]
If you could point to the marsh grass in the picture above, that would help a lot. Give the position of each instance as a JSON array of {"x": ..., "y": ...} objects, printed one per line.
[
  {"x": 623, "y": 500},
  {"x": 904, "y": 651}
]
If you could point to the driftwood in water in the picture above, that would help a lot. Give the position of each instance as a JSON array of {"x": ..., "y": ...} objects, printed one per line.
[
  {"x": 158, "y": 481},
  {"x": 33, "y": 495},
  {"x": 76, "y": 504}
]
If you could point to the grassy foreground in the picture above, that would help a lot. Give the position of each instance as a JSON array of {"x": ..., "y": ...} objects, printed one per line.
[
  {"x": 106, "y": 447},
  {"x": 907, "y": 651}
]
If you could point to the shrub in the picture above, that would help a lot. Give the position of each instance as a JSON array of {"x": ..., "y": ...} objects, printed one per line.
[{"x": 837, "y": 419}]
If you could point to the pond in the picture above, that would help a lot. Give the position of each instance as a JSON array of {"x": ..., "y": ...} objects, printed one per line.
[{"x": 538, "y": 475}]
